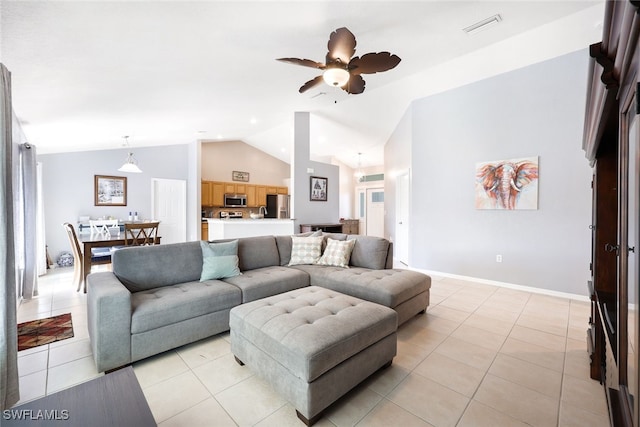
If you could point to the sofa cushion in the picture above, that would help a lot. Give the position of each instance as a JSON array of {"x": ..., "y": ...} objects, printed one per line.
[
  {"x": 155, "y": 308},
  {"x": 257, "y": 252},
  {"x": 337, "y": 253},
  {"x": 267, "y": 281},
  {"x": 148, "y": 267},
  {"x": 219, "y": 260},
  {"x": 284, "y": 244},
  {"x": 389, "y": 287},
  {"x": 369, "y": 252},
  {"x": 305, "y": 250}
]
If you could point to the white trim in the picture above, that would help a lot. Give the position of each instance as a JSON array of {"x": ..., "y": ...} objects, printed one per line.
[{"x": 531, "y": 289}]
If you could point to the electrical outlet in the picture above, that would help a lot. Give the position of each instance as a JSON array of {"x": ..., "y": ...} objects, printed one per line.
[{"x": 498, "y": 258}]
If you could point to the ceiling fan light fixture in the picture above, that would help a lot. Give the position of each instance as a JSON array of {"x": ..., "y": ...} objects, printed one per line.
[
  {"x": 130, "y": 165},
  {"x": 336, "y": 76}
]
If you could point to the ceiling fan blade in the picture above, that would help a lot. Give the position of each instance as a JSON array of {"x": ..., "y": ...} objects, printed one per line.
[
  {"x": 371, "y": 63},
  {"x": 342, "y": 46},
  {"x": 355, "y": 85},
  {"x": 303, "y": 62},
  {"x": 311, "y": 83}
]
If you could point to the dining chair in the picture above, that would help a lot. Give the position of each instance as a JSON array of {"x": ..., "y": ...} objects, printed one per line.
[
  {"x": 140, "y": 233},
  {"x": 98, "y": 255},
  {"x": 104, "y": 226}
]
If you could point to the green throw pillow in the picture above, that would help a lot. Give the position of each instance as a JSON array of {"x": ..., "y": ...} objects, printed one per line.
[
  {"x": 305, "y": 250},
  {"x": 337, "y": 253},
  {"x": 219, "y": 260}
]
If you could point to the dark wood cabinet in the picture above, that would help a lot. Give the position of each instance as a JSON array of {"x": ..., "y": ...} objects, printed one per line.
[
  {"x": 612, "y": 145},
  {"x": 327, "y": 228}
]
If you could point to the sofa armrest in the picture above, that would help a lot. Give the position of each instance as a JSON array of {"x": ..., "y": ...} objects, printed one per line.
[{"x": 109, "y": 320}]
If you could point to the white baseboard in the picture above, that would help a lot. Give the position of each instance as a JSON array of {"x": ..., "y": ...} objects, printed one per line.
[{"x": 531, "y": 289}]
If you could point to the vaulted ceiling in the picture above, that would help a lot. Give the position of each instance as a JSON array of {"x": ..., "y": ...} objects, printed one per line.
[{"x": 87, "y": 73}]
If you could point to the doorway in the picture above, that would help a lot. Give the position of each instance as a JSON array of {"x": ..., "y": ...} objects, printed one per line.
[
  {"x": 169, "y": 206},
  {"x": 370, "y": 208}
]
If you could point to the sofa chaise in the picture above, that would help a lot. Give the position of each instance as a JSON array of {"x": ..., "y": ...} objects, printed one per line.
[{"x": 153, "y": 299}]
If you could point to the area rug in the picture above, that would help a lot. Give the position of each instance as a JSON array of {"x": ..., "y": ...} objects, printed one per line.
[{"x": 44, "y": 331}]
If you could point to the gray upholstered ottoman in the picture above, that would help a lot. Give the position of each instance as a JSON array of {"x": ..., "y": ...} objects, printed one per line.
[{"x": 313, "y": 344}]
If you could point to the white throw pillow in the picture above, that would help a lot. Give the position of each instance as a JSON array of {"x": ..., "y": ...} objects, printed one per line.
[
  {"x": 337, "y": 253},
  {"x": 305, "y": 250}
]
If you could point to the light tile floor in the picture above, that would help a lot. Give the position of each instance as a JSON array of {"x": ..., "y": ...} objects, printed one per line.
[{"x": 482, "y": 356}]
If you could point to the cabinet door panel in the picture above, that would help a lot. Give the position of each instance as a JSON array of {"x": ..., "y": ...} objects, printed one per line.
[
  {"x": 229, "y": 188},
  {"x": 205, "y": 195},
  {"x": 261, "y": 195},
  {"x": 217, "y": 194},
  {"x": 251, "y": 196}
]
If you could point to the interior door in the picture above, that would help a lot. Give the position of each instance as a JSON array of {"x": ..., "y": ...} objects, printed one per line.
[
  {"x": 375, "y": 212},
  {"x": 169, "y": 206},
  {"x": 401, "y": 244}
]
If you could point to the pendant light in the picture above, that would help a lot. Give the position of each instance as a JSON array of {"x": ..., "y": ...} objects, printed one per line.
[{"x": 131, "y": 164}]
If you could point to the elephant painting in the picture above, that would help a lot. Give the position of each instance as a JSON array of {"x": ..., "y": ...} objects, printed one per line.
[{"x": 507, "y": 184}]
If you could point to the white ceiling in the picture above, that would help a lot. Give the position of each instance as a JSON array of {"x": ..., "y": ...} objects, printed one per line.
[{"x": 86, "y": 73}]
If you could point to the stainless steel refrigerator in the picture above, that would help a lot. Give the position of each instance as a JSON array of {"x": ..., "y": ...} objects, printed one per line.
[{"x": 278, "y": 206}]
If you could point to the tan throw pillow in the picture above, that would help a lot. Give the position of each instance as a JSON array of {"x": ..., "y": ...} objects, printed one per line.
[
  {"x": 305, "y": 250},
  {"x": 337, "y": 253}
]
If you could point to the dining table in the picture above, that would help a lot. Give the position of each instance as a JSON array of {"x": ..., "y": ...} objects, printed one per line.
[{"x": 99, "y": 240}]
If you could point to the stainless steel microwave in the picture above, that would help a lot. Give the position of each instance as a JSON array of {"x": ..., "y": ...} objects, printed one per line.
[{"x": 235, "y": 200}]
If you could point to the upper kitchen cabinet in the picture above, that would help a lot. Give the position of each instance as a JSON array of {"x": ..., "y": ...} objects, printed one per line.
[
  {"x": 217, "y": 193},
  {"x": 252, "y": 201},
  {"x": 206, "y": 193},
  {"x": 213, "y": 193}
]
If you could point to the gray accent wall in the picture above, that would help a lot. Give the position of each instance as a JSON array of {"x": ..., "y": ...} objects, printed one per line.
[
  {"x": 68, "y": 181},
  {"x": 534, "y": 111},
  {"x": 306, "y": 211}
]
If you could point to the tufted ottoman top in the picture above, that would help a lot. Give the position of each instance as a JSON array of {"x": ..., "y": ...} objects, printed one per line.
[{"x": 311, "y": 330}]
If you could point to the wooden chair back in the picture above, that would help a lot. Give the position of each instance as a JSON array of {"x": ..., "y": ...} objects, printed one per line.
[
  {"x": 103, "y": 225},
  {"x": 77, "y": 254},
  {"x": 140, "y": 233}
]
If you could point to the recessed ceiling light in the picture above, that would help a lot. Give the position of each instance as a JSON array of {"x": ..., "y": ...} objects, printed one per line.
[
  {"x": 253, "y": 120},
  {"x": 219, "y": 136},
  {"x": 483, "y": 25}
]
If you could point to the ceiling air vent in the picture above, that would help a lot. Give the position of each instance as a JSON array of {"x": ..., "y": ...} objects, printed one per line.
[{"x": 483, "y": 25}]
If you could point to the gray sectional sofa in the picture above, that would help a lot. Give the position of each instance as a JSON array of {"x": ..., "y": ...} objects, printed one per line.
[{"x": 153, "y": 299}]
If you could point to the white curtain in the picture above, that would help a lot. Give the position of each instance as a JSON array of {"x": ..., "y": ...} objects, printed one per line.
[
  {"x": 9, "y": 387},
  {"x": 28, "y": 219}
]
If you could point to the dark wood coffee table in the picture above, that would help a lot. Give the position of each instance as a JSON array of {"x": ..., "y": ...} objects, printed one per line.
[{"x": 114, "y": 399}]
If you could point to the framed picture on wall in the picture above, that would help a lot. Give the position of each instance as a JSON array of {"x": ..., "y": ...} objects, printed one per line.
[
  {"x": 318, "y": 189},
  {"x": 240, "y": 176},
  {"x": 110, "y": 190}
]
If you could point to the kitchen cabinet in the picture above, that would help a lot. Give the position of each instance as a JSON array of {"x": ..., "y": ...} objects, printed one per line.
[
  {"x": 261, "y": 195},
  {"x": 252, "y": 201},
  {"x": 204, "y": 231},
  {"x": 206, "y": 193},
  {"x": 213, "y": 192},
  {"x": 230, "y": 188},
  {"x": 217, "y": 193}
]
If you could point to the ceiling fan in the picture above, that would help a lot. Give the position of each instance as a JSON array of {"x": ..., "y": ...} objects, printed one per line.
[{"x": 340, "y": 69}]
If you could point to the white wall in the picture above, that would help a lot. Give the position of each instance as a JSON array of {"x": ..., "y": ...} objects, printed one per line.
[
  {"x": 219, "y": 159},
  {"x": 68, "y": 181},
  {"x": 534, "y": 111}
]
